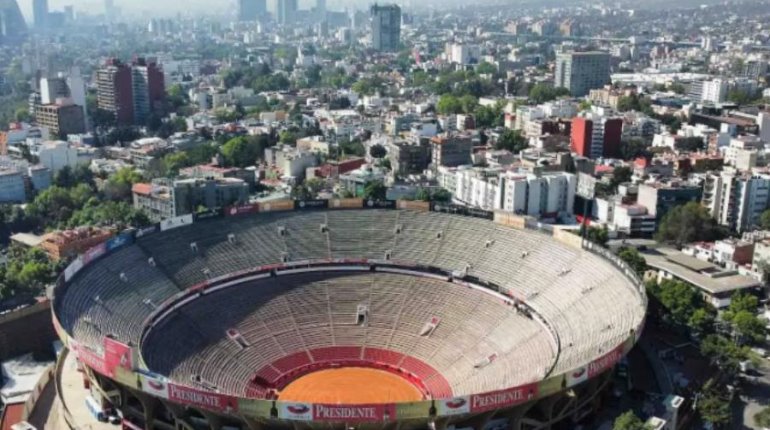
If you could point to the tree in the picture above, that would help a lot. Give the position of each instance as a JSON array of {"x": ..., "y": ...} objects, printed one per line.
[
  {"x": 714, "y": 405},
  {"x": 634, "y": 259},
  {"x": 762, "y": 418},
  {"x": 702, "y": 320},
  {"x": 378, "y": 151},
  {"x": 680, "y": 300},
  {"x": 244, "y": 151},
  {"x": 541, "y": 93},
  {"x": 629, "y": 421},
  {"x": 485, "y": 68},
  {"x": 375, "y": 190},
  {"x": 512, "y": 140},
  {"x": 688, "y": 223},
  {"x": 120, "y": 215},
  {"x": 723, "y": 353},
  {"x": 690, "y": 144},
  {"x": 597, "y": 235},
  {"x": 118, "y": 186},
  {"x": 749, "y": 326},
  {"x": 621, "y": 175},
  {"x": 633, "y": 148},
  {"x": 122, "y": 135},
  {"x": 764, "y": 220},
  {"x": 67, "y": 177},
  {"x": 449, "y": 105}
]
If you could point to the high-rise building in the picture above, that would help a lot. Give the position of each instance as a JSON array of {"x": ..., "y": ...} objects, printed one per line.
[
  {"x": 286, "y": 11},
  {"x": 148, "y": 89},
  {"x": 114, "y": 91},
  {"x": 251, "y": 10},
  {"x": 61, "y": 119},
  {"x": 596, "y": 136},
  {"x": 13, "y": 29},
  {"x": 40, "y": 14},
  {"x": 581, "y": 72},
  {"x": 386, "y": 27},
  {"x": 320, "y": 9}
]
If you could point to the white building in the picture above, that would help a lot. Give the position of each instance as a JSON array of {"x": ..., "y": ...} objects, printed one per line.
[
  {"x": 521, "y": 192},
  {"x": 714, "y": 91},
  {"x": 736, "y": 199}
]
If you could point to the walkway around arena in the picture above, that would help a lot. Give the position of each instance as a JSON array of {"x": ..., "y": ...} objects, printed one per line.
[{"x": 73, "y": 396}]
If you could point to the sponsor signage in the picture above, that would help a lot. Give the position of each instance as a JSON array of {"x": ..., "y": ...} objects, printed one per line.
[
  {"x": 176, "y": 222},
  {"x": 242, "y": 210},
  {"x": 455, "y": 406},
  {"x": 502, "y": 398},
  {"x": 577, "y": 376},
  {"x": 119, "y": 241},
  {"x": 92, "y": 360},
  {"x": 202, "y": 399},
  {"x": 255, "y": 408},
  {"x": 155, "y": 386},
  {"x": 73, "y": 268},
  {"x": 550, "y": 386},
  {"x": 380, "y": 204},
  {"x": 206, "y": 215},
  {"x": 93, "y": 253},
  {"x": 353, "y": 413},
  {"x": 295, "y": 411},
  {"x": 117, "y": 354},
  {"x": 146, "y": 231},
  {"x": 605, "y": 362},
  {"x": 413, "y": 410},
  {"x": 304, "y": 205}
]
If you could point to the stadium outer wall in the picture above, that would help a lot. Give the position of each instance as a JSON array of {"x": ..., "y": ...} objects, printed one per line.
[{"x": 153, "y": 402}]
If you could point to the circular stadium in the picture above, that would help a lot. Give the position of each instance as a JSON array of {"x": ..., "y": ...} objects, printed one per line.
[{"x": 348, "y": 313}]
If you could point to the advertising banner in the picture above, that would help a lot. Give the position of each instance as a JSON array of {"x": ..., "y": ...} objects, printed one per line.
[
  {"x": 577, "y": 376},
  {"x": 242, "y": 210},
  {"x": 346, "y": 203},
  {"x": 456, "y": 406},
  {"x": 605, "y": 362},
  {"x": 73, "y": 268},
  {"x": 91, "y": 359},
  {"x": 254, "y": 408},
  {"x": 202, "y": 399},
  {"x": 277, "y": 206},
  {"x": 119, "y": 240},
  {"x": 380, "y": 204},
  {"x": 155, "y": 386},
  {"x": 146, "y": 231},
  {"x": 93, "y": 253},
  {"x": 176, "y": 222},
  {"x": 503, "y": 398},
  {"x": 200, "y": 216},
  {"x": 295, "y": 411},
  {"x": 117, "y": 354},
  {"x": 414, "y": 205},
  {"x": 406, "y": 411},
  {"x": 306, "y": 205},
  {"x": 353, "y": 413},
  {"x": 550, "y": 386}
]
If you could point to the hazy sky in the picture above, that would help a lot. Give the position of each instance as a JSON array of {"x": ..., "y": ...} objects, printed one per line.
[{"x": 157, "y": 6}]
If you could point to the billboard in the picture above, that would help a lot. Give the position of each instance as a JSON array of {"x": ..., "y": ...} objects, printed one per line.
[
  {"x": 146, "y": 231},
  {"x": 586, "y": 186},
  {"x": 254, "y": 408},
  {"x": 414, "y": 205},
  {"x": 406, "y": 411},
  {"x": 207, "y": 215},
  {"x": 605, "y": 362},
  {"x": 277, "y": 206},
  {"x": 456, "y": 406},
  {"x": 242, "y": 210},
  {"x": 155, "y": 386},
  {"x": 346, "y": 203},
  {"x": 306, "y": 205},
  {"x": 117, "y": 354},
  {"x": 93, "y": 253},
  {"x": 295, "y": 411},
  {"x": 503, "y": 398},
  {"x": 73, "y": 268},
  {"x": 202, "y": 399},
  {"x": 353, "y": 413},
  {"x": 91, "y": 359},
  {"x": 176, "y": 222},
  {"x": 119, "y": 241},
  {"x": 380, "y": 204}
]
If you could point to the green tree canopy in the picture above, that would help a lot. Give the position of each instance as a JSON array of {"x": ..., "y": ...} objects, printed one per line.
[
  {"x": 762, "y": 418},
  {"x": 629, "y": 421},
  {"x": 680, "y": 300},
  {"x": 688, "y": 223},
  {"x": 541, "y": 93},
  {"x": 634, "y": 259},
  {"x": 375, "y": 190},
  {"x": 714, "y": 405},
  {"x": 512, "y": 140},
  {"x": 118, "y": 186},
  {"x": 378, "y": 151},
  {"x": 244, "y": 151}
]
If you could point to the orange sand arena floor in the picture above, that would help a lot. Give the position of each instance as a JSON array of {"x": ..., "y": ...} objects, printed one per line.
[{"x": 350, "y": 385}]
